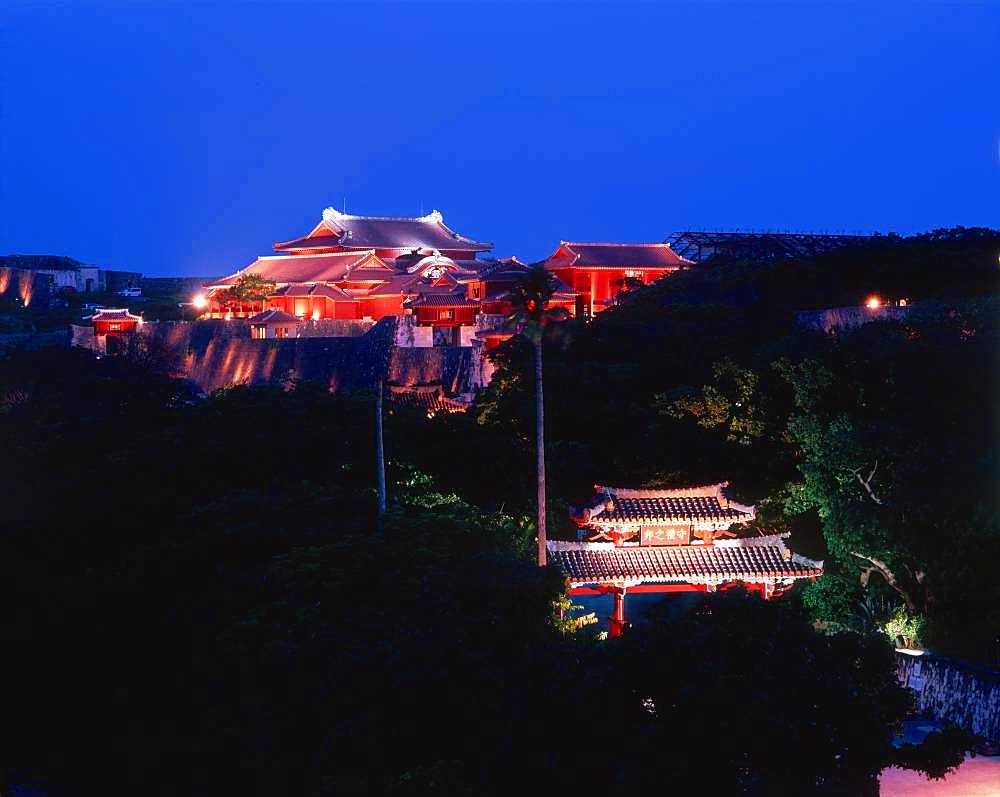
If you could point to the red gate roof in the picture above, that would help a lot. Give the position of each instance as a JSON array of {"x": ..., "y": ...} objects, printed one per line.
[{"x": 754, "y": 560}]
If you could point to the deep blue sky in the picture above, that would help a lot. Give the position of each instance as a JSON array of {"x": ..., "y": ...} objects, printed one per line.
[{"x": 186, "y": 138}]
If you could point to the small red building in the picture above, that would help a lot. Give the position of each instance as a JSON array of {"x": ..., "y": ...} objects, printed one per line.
[
  {"x": 113, "y": 326},
  {"x": 672, "y": 541},
  {"x": 600, "y": 272}
]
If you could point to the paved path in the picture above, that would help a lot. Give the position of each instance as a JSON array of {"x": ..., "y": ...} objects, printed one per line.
[{"x": 976, "y": 777}]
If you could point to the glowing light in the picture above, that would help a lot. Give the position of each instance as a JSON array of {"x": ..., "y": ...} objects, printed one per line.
[
  {"x": 903, "y": 302},
  {"x": 229, "y": 315},
  {"x": 316, "y": 314},
  {"x": 25, "y": 287},
  {"x": 200, "y": 301},
  {"x": 873, "y": 303}
]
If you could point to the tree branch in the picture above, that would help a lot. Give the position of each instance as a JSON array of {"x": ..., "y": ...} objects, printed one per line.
[
  {"x": 890, "y": 578},
  {"x": 867, "y": 483}
]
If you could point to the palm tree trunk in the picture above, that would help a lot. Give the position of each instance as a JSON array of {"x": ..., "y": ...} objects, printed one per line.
[
  {"x": 540, "y": 450},
  {"x": 379, "y": 457}
]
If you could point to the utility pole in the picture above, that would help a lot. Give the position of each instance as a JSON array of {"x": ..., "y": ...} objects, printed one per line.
[{"x": 379, "y": 459}]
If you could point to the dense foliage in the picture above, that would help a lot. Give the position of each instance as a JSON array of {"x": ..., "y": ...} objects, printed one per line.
[{"x": 197, "y": 602}]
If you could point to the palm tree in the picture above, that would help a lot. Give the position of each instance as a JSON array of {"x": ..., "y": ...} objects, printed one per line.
[{"x": 532, "y": 315}]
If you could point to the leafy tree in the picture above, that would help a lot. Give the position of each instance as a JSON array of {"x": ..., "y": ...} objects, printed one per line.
[
  {"x": 731, "y": 402},
  {"x": 248, "y": 289}
]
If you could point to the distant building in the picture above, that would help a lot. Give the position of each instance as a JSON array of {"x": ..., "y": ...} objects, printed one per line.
[
  {"x": 65, "y": 273},
  {"x": 599, "y": 273},
  {"x": 678, "y": 540}
]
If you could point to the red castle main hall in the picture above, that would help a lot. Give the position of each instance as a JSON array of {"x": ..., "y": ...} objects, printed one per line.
[{"x": 368, "y": 267}]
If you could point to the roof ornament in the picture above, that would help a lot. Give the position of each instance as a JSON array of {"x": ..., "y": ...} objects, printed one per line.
[
  {"x": 333, "y": 215},
  {"x": 434, "y": 217}
]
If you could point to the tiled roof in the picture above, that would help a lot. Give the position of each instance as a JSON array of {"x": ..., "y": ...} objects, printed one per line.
[
  {"x": 705, "y": 504},
  {"x": 401, "y": 283},
  {"x": 113, "y": 314},
  {"x": 274, "y": 317},
  {"x": 303, "y": 268},
  {"x": 650, "y": 510},
  {"x": 370, "y": 275},
  {"x": 426, "y": 397},
  {"x": 318, "y": 289},
  {"x": 427, "y": 299},
  {"x": 753, "y": 560},
  {"x": 502, "y": 268},
  {"x": 381, "y": 232},
  {"x": 611, "y": 255}
]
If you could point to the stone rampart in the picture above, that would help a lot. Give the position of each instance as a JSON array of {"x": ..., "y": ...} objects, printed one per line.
[{"x": 953, "y": 692}]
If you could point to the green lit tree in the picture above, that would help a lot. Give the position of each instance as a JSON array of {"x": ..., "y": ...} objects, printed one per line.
[{"x": 248, "y": 289}]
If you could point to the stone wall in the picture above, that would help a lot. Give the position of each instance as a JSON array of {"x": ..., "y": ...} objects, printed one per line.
[
  {"x": 450, "y": 366},
  {"x": 849, "y": 317},
  {"x": 334, "y": 328},
  {"x": 83, "y": 337},
  {"x": 216, "y": 353},
  {"x": 33, "y": 288},
  {"x": 954, "y": 692}
]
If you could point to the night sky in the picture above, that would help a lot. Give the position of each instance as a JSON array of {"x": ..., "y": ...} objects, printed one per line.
[{"x": 185, "y": 139}]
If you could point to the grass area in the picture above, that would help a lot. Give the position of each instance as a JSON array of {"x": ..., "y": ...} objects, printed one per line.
[{"x": 16, "y": 318}]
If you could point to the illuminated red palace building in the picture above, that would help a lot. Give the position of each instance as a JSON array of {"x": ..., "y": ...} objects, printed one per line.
[
  {"x": 681, "y": 540},
  {"x": 358, "y": 267},
  {"x": 368, "y": 267},
  {"x": 600, "y": 273}
]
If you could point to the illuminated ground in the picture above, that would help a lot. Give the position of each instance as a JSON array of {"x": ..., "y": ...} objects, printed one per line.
[{"x": 977, "y": 777}]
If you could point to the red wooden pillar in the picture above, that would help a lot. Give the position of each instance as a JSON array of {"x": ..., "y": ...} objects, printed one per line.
[{"x": 617, "y": 620}]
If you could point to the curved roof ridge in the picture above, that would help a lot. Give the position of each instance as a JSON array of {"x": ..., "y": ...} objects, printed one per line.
[
  {"x": 765, "y": 541},
  {"x": 614, "y": 243},
  {"x": 349, "y": 253},
  {"x": 674, "y": 492},
  {"x": 331, "y": 214}
]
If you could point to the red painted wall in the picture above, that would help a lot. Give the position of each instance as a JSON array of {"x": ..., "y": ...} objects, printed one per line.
[
  {"x": 432, "y": 315},
  {"x": 104, "y": 327}
]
